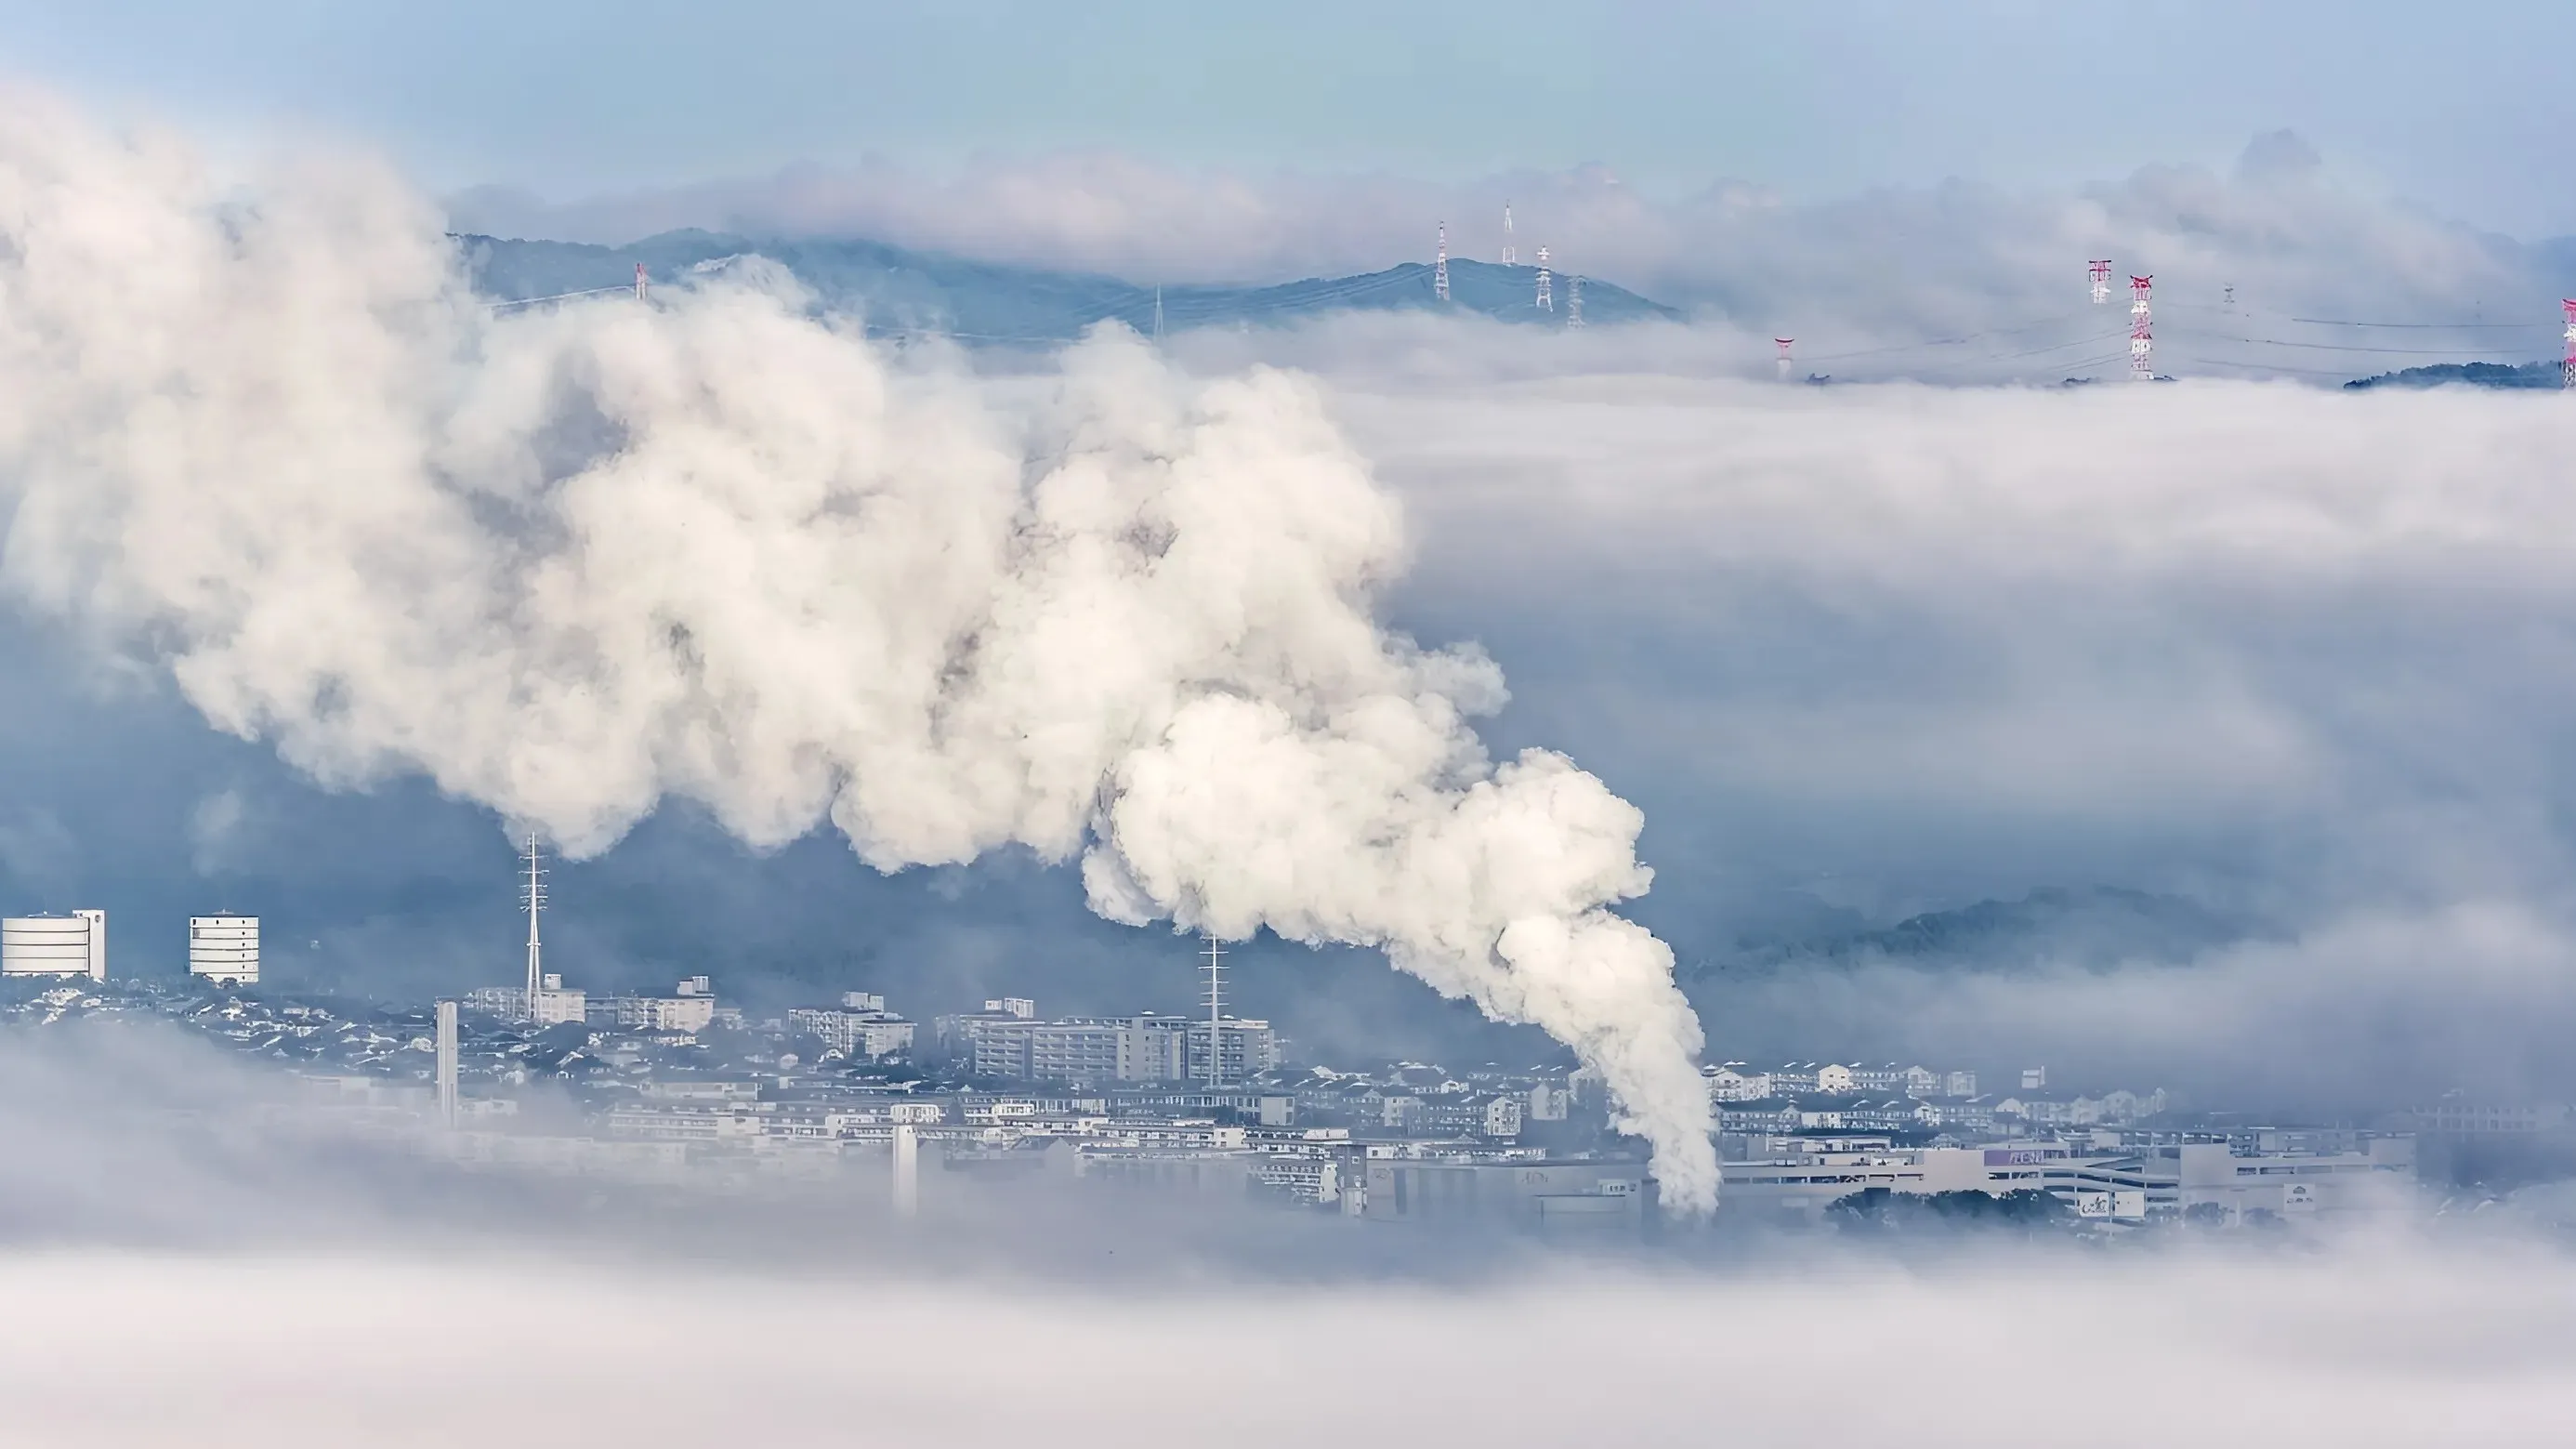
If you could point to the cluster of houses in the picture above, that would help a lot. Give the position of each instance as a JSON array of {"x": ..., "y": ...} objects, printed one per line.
[
  {"x": 1416, "y": 1099},
  {"x": 1892, "y": 1097}
]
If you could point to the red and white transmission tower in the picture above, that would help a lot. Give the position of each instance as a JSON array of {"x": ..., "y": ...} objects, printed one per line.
[
  {"x": 2101, "y": 281},
  {"x": 1546, "y": 283},
  {"x": 1440, "y": 266},
  {"x": 2567, "y": 377},
  {"x": 639, "y": 281},
  {"x": 1785, "y": 363},
  {"x": 1510, "y": 257},
  {"x": 2142, "y": 331}
]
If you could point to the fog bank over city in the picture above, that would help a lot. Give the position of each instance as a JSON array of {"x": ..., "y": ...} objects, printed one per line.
[
  {"x": 309, "y": 1278},
  {"x": 2400, "y": 1346}
]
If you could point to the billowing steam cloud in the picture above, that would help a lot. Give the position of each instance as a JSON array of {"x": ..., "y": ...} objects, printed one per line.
[{"x": 572, "y": 562}]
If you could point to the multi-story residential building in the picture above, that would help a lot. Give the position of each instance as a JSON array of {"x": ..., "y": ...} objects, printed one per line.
[
  {"x": 73, "y": 945},
  {"x": 859, "y": 1027},
  {"x": 689, "y": 1008},
  {"x": 1250, "y": 1047},
  {"x": 1736, "y": 1082},
  {"x": 1548, "y": 1102},
  {"x": 1882, "y": 1077},
  {"x": 224, "y": 948},
  {"x": 1142, "y": 1048},
  {"x": 555, "y": 1002},
  {"x": 1145, "y": 1048}
]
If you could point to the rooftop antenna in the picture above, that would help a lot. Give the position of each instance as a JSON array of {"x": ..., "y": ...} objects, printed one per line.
[
  {"x": 1215, "y": 968},
  {"x": 1440, "y": 266},
  {"x": 533, "y": 895},
  {"x": 2101, "y": 281},
  {"x": 1546, "y": 289},
  {"x": 1510, "y": 257},
  {"x": 639, "y": 281},
  {"x": 2142, "y": 331},
  {"x": 1784, "y": 363},
  {"x": 2567, "y": 377},
  {"x": 1574, "y": 301}
]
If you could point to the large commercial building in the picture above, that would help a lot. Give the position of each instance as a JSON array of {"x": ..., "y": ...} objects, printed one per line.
[
  {"x": 73, "y": 945},
  {"x": 224, "y": 948}
]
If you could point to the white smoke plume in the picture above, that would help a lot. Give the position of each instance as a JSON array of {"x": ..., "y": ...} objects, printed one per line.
[{"x": 572, "y": 562}]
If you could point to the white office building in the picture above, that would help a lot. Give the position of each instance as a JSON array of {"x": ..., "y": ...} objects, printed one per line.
[
  {"x": 73, "y": 945},
  {"x": 224, "y": 948}
]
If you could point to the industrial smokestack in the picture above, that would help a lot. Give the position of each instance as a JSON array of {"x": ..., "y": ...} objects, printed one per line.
[
  {"x": 569, "y": 562},
  {"x": 447, "y": 1063},
  {"x": 907, "y": 1171}
]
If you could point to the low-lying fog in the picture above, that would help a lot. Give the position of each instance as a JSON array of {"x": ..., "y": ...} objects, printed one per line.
[{"x": 2385, "y": 1345}]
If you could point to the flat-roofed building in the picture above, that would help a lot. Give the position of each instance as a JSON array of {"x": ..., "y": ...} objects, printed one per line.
[
  {"x": 47, "y": 945},
  {"x": 224, "y": 948}
]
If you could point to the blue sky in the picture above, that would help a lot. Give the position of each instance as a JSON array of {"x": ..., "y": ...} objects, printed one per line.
[{"x": 2464, "y": 109}]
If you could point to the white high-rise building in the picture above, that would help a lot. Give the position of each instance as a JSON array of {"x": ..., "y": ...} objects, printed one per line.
[
  {"x": 224, "y": 948},
  {"x": 73, "y": 945}
]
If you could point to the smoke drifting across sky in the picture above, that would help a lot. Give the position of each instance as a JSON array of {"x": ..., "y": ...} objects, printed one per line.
[
  {"x": 570, "y": 563},
  {"x": 2297, "y": 654}
]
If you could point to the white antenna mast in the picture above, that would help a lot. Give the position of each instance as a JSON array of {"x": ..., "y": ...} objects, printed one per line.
[
  {"x": 534, "y": 894},
  {"x": 1440, "y": 266},
  {"x": 1510, "y": 257},
  {"x": 1546, "y": 290},
  {"x": 1216, "y": 1012}
]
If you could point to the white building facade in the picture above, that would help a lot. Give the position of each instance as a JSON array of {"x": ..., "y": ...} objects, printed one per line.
[
  {"x": 73, "y": 945},
  {"x": 224, "y": 948}
]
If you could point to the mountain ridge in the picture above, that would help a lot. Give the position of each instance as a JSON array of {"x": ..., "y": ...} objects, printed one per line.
[{"x": 900, "y": 290}]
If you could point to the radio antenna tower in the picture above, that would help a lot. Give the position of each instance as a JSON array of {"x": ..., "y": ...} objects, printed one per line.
[
  {"x": 1784, "y": 364},
  {"x": 1158, "y": 311},
  {"x": 1546, "y": 289},
  {"x": 2101, "y": 281},
  {"x": 2567, "y": 376},
  {"x": 639, "y": 281},
  {"x": 1511, "y": 258},
  {"x": 1215, "y": 967},
  {"x": 2142, "y": 331},
  {"x": 533, "y": 896},
  {"x": 1440, "y": 266},
  {"x": 1574, "y": 301}
]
